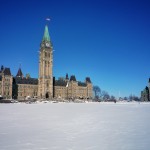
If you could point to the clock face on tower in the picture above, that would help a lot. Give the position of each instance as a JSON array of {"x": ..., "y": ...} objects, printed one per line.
[{"x": 47, "y": 45}]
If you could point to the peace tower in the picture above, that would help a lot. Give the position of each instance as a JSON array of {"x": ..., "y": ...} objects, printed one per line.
[{"x": 45, "y": 78}]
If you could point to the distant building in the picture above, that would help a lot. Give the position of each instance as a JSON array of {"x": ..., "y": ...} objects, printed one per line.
[
  {"x": 145, "y": 94},
  {"x": 6, "y": 80},
  {"x": 71, "y": 88},
  {"x": 46, "y": 86}
]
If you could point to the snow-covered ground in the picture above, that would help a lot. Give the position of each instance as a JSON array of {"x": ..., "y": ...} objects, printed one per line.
[{"x": 75, "y": 126}]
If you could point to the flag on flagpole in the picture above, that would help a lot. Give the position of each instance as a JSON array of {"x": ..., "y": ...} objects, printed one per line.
[{"x": 48, "y": 19}]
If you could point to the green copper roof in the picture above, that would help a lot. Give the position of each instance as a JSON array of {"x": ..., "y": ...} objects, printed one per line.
[{"x": 46, "y": 36}]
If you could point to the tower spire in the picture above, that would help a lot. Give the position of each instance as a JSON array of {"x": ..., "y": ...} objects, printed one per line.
[
  {"x": 19, "y": 73},
  {"x": 46, "y": 36}
]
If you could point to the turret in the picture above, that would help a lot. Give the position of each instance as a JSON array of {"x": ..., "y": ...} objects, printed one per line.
[
  {"x": 67, "y": 78},
  {"x": 19, "y": 73},
  {"x": 87, "y": 80},
  {"x": 2, "y": 68}
]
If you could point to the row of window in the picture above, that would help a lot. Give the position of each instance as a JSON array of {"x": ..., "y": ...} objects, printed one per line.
[
  {"x": 6, "y": 87},
  {"x": 47, "y": 54},
  {"x": 30, "y": 91},
  {"x": 27, "y": 94},
  {"x": 6, "y": 79},
  {"x": 71, "y": 91},
  {"x": 6, "y": 84},
  {"x": 6, "y": 93},
  {"x": 26, "y": 86},
  {"x": 60, "y": 88}
]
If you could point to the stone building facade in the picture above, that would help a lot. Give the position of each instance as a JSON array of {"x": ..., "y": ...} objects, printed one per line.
[
  {"x": 6, "y": 80},
  {"x": 71, "y": 89},
  {"x": 145, "y": 94},
  {"x": 46, "y": 86}
]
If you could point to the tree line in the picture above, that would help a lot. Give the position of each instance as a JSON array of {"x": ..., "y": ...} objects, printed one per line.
[{"x": 102, "y": 95}]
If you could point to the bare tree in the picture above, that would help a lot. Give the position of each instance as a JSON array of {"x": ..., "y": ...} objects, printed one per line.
[
  {"x": 105, "y": 95},
  {"x": 97, "y": 91},
  {"x": 133, "y": 97},
  {"x": 125, "y": 98},
  {"x": 112, "y": 98}
]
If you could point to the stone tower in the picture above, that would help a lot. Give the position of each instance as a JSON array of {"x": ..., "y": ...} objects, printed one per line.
[{"x": 45, "y": 79}]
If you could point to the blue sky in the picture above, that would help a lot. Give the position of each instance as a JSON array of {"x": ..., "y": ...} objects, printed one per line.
[{"x": 108, "y": 40}]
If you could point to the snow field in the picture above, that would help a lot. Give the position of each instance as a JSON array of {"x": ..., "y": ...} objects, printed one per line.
[{"x": 75, "y": 126}]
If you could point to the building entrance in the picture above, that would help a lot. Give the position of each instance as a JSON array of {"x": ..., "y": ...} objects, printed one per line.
[{"x": 47, "y": 95}]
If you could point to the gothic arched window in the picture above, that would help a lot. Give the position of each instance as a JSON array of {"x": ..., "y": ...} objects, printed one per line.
[
  {"x": 47, "y": 84},
  {"x": 45, "y": 54},
  {"x": 48, "y": 54}
]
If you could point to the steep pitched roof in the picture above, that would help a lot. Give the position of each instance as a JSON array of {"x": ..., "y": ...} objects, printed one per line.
[
  {"x": 82, "y": 84},
  {"x": 7, "y": 71},
  {"x": 73, "y": 78},
  {"x": 19, "y": 73},
  {"x": 60, "y": 83},
  {"x": 32, "y": 81},
  {"x": 46, "y": 36}
]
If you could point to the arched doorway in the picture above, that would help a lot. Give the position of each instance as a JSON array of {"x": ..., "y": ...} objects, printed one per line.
[{"x": 47, "y": 95}]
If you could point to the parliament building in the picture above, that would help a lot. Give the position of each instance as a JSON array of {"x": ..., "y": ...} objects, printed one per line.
[
  {"x": 46, "y": 86},
  {"x": 145, "y": 94}
]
